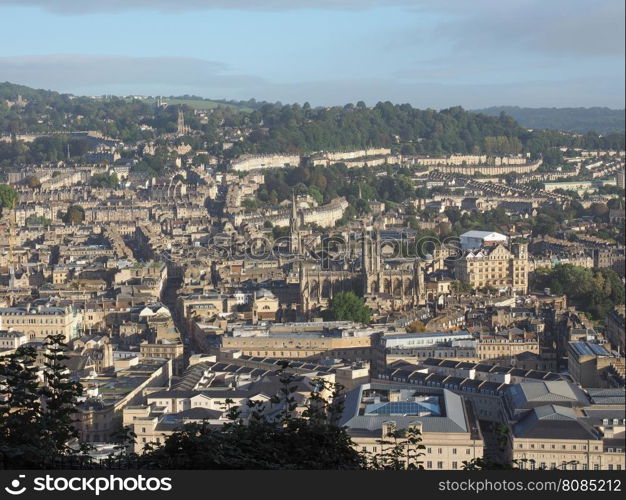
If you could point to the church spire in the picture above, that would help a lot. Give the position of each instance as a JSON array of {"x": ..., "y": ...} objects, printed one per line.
[
  {"x": 294, "y": 211},
  {"x": 294, "y": 226}
]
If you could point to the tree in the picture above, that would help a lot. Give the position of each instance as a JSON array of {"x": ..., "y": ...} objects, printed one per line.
[
  {"x": 36, "y": 420},
  {"x": 416, "y": 326},
  {"x": 400, "y": 449},
  {"x": 595, "y": 291},
  {"x": 59, "y": 394},
  {"x": 347, "y": 306},
  {"x": 37, "y": 220},
  {"x": 461, "y": 287},
  {"x": 104, "y": 181},
  {"x": 8, "y": 196},
  {"x": 75, "y": 215},
  {"x": 32, "y": 181},
  {"x": 312, "y": 441},
  {"x": 20, "y": 409}
]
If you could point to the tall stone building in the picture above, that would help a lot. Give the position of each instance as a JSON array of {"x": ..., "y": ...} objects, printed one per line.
[{"x": 495, "y": 266}]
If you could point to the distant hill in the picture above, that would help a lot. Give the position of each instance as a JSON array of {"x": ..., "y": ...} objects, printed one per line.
[
  {"x": 202, "y": 103},
  {"x": 578, "y": 120}
]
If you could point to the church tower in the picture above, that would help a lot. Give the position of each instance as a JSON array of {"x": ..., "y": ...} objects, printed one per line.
[
  {"x": 294, "y": 227},
  {"x": 370, "y": 261},
  {"x": 182, "y": 129}
]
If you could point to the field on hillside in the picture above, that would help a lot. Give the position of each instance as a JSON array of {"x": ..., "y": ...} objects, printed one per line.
[{"x": 199, "y": 104}]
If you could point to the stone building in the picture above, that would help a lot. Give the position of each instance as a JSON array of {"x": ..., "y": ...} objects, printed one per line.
[{"x": 495, "y": 266}]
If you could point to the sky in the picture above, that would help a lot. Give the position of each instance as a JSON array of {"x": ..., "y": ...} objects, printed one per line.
[{"x": 429, "y": 53}]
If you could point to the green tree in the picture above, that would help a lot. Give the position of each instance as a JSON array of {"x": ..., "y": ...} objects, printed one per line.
[
  {"x": 20, "y": 409},
  {"x": 36, "y": 419},
  {"x": 313, "y": 441},
  {"x": 347, "y": 306},
  {"x": 595, "y": 291},
  {"x": 75, "y": 215},
  {"x": 37, "y": 220},
  {"x": 8, "y": 197},
  {"x": 461, "y": 287},
  {"x": 400, "y": 449},
  {"x": 32, "y": 181},
  {"x": 104, "y": 181},
  {"x": 59, "y": 394}
]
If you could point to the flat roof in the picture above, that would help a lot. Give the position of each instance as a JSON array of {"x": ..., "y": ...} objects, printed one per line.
[{"x": 589, "y": 349}]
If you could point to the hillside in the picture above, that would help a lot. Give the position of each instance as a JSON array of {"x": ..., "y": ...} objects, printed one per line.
[
  {"x": 200, "y": 103},
  {"x": 273, "y": 128},
  {"x": 577, "y": 120}
]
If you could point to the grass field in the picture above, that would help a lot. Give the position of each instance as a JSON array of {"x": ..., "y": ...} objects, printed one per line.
[{"x": 200, "y": 104}]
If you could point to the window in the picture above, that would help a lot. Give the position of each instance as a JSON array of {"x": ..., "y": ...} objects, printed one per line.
[
  {"x": 429, "y": 465},
  {"x": 439, "y": 465},
  {"x": 454, "y": 465},
  {"x": 454, "y": 451}
]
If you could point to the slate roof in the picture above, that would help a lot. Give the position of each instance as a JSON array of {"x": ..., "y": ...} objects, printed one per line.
[
  {"x": 553, "y": 422},
  {"x": 453, "y": 409}
]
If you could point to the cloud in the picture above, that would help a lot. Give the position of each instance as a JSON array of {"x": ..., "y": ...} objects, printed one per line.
[
  {"x": 111, "y": 74},
  {"x": 555, "y": 27},
  {"x": 92, "y": 6},
  {"x": 74, "y": 72}
]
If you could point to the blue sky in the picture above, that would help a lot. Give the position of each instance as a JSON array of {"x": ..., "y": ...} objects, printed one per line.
[{"x": 430, "y": 53}]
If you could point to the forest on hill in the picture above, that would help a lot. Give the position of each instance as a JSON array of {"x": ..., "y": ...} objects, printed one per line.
[
  {"x": 577, "y": 120},
  {"x": 271, "y": 128}
]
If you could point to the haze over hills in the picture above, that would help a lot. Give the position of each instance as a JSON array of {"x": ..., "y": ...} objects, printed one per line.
[{"x": 579, "y": 120}]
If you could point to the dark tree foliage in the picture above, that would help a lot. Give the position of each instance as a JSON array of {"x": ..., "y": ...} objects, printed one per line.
[
  {"x": 104, "y": 180},
  {"x": 36, "y": 419},
  {"x": 595, "y": 291},
  {"x": 8, "y": 197},
  {"x": 311, "y": 441},
  {"x": 347, "y": 306},
  {"x": 75, "y": 215},
  {"x": 275, "y": 128}
]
